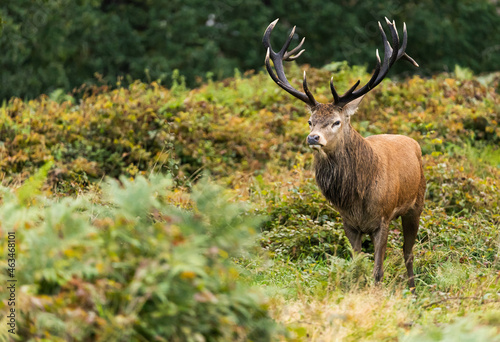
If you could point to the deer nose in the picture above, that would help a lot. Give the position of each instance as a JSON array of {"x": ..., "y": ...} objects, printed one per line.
[{"x": 313, "y": 139}]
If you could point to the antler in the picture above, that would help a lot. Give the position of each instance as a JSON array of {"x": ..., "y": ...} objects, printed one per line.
[
  {"x": 391, "y": 55},
  {"x": 278, "y": 59}
]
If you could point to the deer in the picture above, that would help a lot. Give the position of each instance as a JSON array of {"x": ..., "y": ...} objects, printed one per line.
[{"x": 370, "y": 181}]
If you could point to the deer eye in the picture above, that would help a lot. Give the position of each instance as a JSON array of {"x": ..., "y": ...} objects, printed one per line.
[
  {"x": 309, "y": 122},
  {"x": 336, "y": 123}
]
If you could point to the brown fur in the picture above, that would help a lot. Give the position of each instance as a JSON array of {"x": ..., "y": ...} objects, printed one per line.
[
  {"x": 337, "y": 176},
  {"x": 369, "y": 181}
]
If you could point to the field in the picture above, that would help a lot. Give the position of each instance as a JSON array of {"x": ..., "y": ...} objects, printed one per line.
[{"x": 153, "y": 214}]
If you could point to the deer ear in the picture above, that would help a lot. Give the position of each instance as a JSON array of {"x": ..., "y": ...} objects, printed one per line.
[{"x": 351, "y": 108}]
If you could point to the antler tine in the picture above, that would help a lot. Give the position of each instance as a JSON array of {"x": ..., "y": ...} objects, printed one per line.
[
  {"x": 336, "y": 98},
  {"x": 293, "y": 54},
  {"x": 377, "y": 70},
  {"x": 395, "y": 41},
  {"x": 409, "y": 59},
  {"x": 287, "y": 43},
  {"x": 267, "y": 35},
  {"x": 402, "y": 48},
  {"x": 279, "y": 77},
  {"x": 391, "y": 55},
  {"x": 401, "y": 52},
  {"x": 395, "y": 29},
  {"x": 306, "y": 89},
  {"x": 351, "y": 90}
]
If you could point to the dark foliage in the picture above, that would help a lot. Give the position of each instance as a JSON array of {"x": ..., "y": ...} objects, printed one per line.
[{"x": 48, "y": 45}]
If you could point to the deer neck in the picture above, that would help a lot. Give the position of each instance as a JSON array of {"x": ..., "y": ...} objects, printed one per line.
[{"x": 345, "y": 174}]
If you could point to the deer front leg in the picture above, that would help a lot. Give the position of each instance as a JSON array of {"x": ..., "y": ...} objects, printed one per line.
[
  {"x": 354, "y": 237},
  {"x": 379, "y": 239}
]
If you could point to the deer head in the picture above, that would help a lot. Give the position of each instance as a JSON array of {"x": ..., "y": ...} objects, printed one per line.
[{"x": 330, "y": 122}]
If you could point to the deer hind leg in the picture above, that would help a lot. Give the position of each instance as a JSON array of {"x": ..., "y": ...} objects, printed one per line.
[
  {"x": 410, "y": 223},
  {"x": 379, "y": 239}
]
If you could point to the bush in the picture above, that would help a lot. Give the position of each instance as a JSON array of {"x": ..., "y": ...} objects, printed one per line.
[
  {"x": 132, "y": 268},
  {"x": 109, "y": 133},
  {"x": 244, "y": 124},
  {"x": 301, "y": 224}
]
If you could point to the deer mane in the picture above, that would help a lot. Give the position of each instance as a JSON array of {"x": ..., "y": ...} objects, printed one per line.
[{"x": 346, "y": 175}]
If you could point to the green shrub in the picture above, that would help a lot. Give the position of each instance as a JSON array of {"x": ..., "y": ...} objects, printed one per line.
[
  {"x": 301, "y": 224},
  {"x": 106, "y": 134},
  {"x": 452, "y": 188},
  {"x": 133, "y": 267}
]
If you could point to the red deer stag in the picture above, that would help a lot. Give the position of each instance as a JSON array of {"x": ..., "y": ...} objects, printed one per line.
[{"x": 370, "y": 181}]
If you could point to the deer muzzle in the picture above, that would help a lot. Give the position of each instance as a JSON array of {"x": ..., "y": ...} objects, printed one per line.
[{"x": 316, "y": 140}]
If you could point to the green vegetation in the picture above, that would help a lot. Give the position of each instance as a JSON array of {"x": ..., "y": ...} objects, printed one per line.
[
  {"x": 49, "y": 45},
  {"x": 132, "y": 267},
  {"x": 141, "y": 256}
]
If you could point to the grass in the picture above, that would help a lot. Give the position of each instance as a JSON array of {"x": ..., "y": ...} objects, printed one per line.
[{"x": 336, "y": 300}]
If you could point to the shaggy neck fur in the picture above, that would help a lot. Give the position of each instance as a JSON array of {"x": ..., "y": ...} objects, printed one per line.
[{"x": 346, "y": 173}]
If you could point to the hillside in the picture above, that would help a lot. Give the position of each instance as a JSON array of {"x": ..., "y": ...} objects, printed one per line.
[{"x": 216, "y": 229}]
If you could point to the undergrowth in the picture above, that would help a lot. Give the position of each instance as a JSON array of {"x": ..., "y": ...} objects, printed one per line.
[{"x": 142, "y": 257}]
